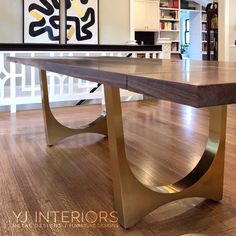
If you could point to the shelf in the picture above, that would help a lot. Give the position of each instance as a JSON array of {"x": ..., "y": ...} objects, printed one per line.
[
  {"x": 204, "y": 31},
  {"x": 169, "y": 8},
  {"x": 170, "y": 26},
  {"x": 204, "y": 41},
  {"x": 165, "y": 19}
]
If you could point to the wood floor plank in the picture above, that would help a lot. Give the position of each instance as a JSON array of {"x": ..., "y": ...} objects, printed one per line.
[{"x": 163, "y": 143}]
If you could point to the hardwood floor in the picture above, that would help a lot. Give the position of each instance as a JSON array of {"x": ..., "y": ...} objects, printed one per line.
[{"x": 163, "y": 143}]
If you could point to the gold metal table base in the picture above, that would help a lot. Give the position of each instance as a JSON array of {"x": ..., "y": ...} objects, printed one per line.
[
  {"x": 54, "y": 130},
  {"x": 133, "y": 200}
]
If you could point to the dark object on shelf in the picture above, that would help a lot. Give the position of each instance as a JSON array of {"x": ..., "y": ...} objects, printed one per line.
[
  {"x": 173, "y": 14},
  {"x": 145, "y": 38},
  {"x": 186, "y": 5},
  {"x": 212, "y": 31}
]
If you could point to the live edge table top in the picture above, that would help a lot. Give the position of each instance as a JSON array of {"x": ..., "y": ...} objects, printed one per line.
[{"x": 194, "y": 83}]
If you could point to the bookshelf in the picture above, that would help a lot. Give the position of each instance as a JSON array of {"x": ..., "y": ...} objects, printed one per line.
[
  {"x": 204, "y": 33},
  {"x": 170, "y": 23},
  {"x": 212, "y": 31}
]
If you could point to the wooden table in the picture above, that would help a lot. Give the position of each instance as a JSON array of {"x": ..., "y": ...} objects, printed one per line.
[{"x": 198, "y": 84}]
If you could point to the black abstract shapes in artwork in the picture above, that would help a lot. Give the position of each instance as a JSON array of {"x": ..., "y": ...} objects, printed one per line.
[
  {"x": 34, "y": 33},
  {"x": 68, "y": 4},
  {"x": 89, "y": 13},
  {"x": 48, "y": 8},
  {"x": 56, "y": 4},
  {"x": 84, "y": 1},
  {"x": 55, "y": 22},
  {"x": 83, "y": 33},
  {"x": 39, "y": 27}
]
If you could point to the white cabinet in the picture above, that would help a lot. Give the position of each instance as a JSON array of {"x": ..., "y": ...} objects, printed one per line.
[
  {"x": 140, "y": 15},
  {"x": 147, "y": 15}
]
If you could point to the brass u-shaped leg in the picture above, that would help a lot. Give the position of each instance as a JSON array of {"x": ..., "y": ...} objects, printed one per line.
[
  {"x": 54, "y": 130},
  {"x": 133, "y": 200}
]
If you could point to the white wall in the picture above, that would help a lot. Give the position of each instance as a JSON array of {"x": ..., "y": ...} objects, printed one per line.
[
  {"x": 184, "y": 16},
  {"x": 227, "y": 30},
  {"x": 11, "y": 21},
  {"x": 195, "y": 46},
  {"x": 232, "y": 30},
  {"x": 223, "y": 54},
  {"x": 194, "y": 49},
  {"x": 232, "y": 21},
  {"x": 114, "y": 21}
]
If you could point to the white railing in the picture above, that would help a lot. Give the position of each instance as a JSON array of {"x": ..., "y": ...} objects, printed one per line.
[{"x": 19, "y": 84}]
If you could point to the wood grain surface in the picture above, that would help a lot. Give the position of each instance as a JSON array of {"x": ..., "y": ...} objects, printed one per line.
[
  {"x": 199, "y": 84},
  {"x": 163, "y": 143}
]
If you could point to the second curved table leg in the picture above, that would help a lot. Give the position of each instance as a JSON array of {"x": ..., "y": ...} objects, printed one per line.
[{"x": 54, "y": 130}]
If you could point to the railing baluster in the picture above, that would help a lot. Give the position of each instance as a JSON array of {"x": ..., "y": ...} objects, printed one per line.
[{"x": 13, "y": 85}]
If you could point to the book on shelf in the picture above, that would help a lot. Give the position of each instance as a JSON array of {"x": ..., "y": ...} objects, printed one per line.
[
  {"x": 169, "y": 26},
  {"x": 204, "y": 26},
  {"x": 204, "y": 36},
  {"x": 204, "y": 16},
  {"x": 172, "y": 14},
  {"x": 204, "y": 47},
  {"x": 169, "y": 3},
  {"x": 174, "y": 46}
]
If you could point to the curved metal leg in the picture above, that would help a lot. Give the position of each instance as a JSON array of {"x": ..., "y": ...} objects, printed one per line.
[
  {"x": 133, "y": 200},
  {"x": 54, "y": 130}
]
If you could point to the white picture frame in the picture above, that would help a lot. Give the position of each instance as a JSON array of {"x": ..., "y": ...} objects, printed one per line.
[
  {"x": 82, "y": 22},
  {"x": 42, "y": 21}
]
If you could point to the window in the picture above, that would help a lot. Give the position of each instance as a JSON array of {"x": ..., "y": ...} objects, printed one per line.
[{"x": 186, "y": 33}]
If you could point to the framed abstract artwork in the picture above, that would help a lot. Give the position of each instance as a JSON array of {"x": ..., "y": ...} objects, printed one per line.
[
  {"x": 42, "y": 21},
  {"x": 82, "y": 21}
]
